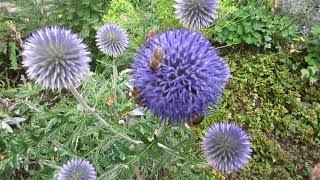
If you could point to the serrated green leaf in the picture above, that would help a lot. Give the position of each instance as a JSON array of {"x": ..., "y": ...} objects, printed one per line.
[{"x": 13, "y": 56}]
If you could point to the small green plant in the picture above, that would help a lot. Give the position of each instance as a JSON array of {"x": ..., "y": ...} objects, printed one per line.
[
  {"x": 227, "y": 6},
  {"x": 164, "y": 13},
  {"x": 81, "y": 16},
  {"x": 7, "y": 47},
  {"x": 9, "y": 54},
  {"x": 253, "y": 25},
  {"x": 123, "y": 13},
  {"x": 313, "y": 56}
]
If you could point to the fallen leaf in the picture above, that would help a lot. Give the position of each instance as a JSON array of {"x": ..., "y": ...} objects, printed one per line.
[
  {"x": 5, "y": 126},
  {"x": 124, "y": 115},
  {"x": 136, "y": 112},
  {"x": 110, "y": 100},
  {"x": 10, "y": 7},
  {"x": 14, "y": 121}
]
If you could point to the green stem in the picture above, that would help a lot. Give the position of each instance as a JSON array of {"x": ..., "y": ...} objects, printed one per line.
[
  {"x": 114, "y": 79},
  {"x": 159, "y": 131},
  {"x": 99, "y": 118}
]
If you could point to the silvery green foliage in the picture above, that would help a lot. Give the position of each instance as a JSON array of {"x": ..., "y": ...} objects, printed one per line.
[
  {"x": 226, "y": 147},
  {"x": 307, "y": 9},
  {"x": 196, "y": 14},
  {"x": 55, "y": 58},
  {"x": 112, "y": 39},
  {"x": 77, "y": 170}
]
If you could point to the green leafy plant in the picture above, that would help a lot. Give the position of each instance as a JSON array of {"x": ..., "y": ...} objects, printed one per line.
[
  {"x": 70, "y": 132},
  {"x": 252, "y": 24},
  {"x": 312, "y": 72},
  {"x": 227, "y": 6},
  {"x": 80, "y": 16},
  {"x": 9, "y": 55},
  {"x": 123, "y": 13},
  {"x": 164, "y": 14}
]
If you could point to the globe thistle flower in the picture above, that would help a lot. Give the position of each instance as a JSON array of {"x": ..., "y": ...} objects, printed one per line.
[
  {"x": 178, "y": 75},
  {"x": 196, "y": 14},
  {"x": 77, "y": 170},
  {"x": 112, "y": 39},
  {"x": 56, "y": 58},
  {"x": 226, "y": 147}
]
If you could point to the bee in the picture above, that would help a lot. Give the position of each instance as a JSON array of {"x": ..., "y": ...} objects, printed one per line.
[
  {"x": 150, "y": 35},
  {"x": 196, "y": 120},
  {"x": 157, "y": 58},
  {"x": 134, "y": 93}
]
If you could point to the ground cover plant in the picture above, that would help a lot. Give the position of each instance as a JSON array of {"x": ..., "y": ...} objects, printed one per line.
[{"x": 175, "y": 89}]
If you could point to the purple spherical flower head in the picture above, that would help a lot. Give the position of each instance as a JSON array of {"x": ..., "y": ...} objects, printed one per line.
[
  {"x": 112, "y": 39},
  {"x": 77, "y": 170},
  {"x": 196, "y": 14},
  {"x": 189, "y": 80},
  {"x": 56, "y": 58},
  {"x": 226, "y": 147}
]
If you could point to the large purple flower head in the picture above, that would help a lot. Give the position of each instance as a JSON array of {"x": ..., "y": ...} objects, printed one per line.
[
  {"x": 56, "y": 58},
  {"x": 112, "y": 39},
  {"x": 77, "y": 170},
  {"x": 226, "y": 147},
  {"x": 196, "y": 14},
  {"x": 188, "y": 78}
]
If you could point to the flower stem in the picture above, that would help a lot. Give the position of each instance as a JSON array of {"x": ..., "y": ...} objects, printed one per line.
[
  {"x": 159, "y": 131},
  {"x": 98, "y": 117},
  {"x": 114, "y": 79}
]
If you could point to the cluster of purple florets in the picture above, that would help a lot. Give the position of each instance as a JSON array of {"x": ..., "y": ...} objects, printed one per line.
[
  {"x": 77, "y": 170},
  {"x": 189, "y": 80},
  {"x": 226, "y": 147},
  {"x": 196, "y": 14}
]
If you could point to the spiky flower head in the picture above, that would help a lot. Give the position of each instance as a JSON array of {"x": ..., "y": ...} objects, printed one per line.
[
  {"x": 56, "y": 58},
  {"x": 77, "y": 170},
  {"x": 112, "y": 39},
  {"x": 188, "y": 77},
  {"x": 226, "y": 147},
  {"x": 195, "y": 14}
]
